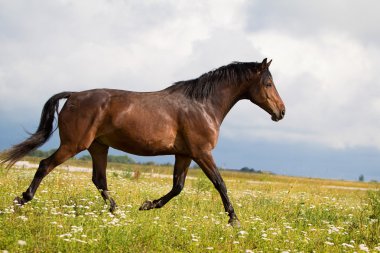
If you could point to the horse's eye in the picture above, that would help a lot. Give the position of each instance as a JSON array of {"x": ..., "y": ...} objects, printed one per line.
[{"x": 268, "y": 84}]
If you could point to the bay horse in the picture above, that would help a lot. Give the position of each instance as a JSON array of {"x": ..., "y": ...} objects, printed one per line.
[{"x": 182, "y": 120}]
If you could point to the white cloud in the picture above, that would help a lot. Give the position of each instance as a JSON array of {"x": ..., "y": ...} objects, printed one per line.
[
  {"x": 48, "y": 47},
  {"x": 324, "y": 59},
  {"x": 311, "y": 18}
]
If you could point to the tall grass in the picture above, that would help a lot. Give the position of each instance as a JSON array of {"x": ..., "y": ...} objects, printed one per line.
[{"x": 278, "y": 214}]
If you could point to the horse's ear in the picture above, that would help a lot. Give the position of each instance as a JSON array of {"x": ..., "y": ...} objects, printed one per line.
[
  {"x": 264, "y": 64},
  {"x": 268, "y": 64}
]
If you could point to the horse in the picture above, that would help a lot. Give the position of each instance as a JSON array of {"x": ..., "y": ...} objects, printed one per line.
[{"x": 183, "y": 120}]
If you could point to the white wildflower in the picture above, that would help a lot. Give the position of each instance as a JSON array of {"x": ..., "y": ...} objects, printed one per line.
[
  {"x": 21, "y": 242},
  {"x": 347, "y": 245},
  {"x": 65, "y": 235},
  {"x": 242, "y": 232},
  {"x": 23, "y": 218},
  {"x": 77, "y": 240},
  {"x": 76, "y": 229},
  {"x": 333, "y": 229},
  {"x": 363, "y": 247}
]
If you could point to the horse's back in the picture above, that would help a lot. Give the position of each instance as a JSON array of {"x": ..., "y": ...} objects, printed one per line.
[{"x": 135, "y": 122}]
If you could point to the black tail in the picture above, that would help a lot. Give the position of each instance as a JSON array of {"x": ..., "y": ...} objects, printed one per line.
[{"x": 43, "y": 133}]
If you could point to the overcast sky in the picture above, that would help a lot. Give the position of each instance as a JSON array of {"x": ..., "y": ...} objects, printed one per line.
[{"x": 326, "y": 56}]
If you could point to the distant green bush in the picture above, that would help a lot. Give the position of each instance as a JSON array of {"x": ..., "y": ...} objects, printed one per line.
[
  {"x": 41, "y": 153},
  {"x": 251, "y": 170}
]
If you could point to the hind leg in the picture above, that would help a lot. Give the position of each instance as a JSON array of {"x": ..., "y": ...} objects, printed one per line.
[
  {"x": 44, "y": 168},
  {"x": 181, "y": 167},
  {"x": 99, "y": 153}
]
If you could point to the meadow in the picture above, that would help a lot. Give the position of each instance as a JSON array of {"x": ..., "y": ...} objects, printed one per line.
[{"x": 277, "y": 213}]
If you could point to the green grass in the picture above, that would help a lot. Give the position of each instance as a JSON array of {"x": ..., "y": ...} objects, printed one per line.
[{"x": 277, "y": 214}]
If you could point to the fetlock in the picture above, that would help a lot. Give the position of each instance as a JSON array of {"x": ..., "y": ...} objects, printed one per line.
[{"x": 27, "y": 196}]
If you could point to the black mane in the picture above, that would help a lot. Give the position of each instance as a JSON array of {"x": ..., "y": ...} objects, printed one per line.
[{"x": 205, "y": 85}]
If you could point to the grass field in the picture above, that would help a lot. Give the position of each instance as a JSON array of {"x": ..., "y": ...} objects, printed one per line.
[{"x": 277, "y": 213}]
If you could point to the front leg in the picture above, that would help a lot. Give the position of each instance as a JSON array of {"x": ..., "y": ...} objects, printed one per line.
[{"x": 206, "y": 162}]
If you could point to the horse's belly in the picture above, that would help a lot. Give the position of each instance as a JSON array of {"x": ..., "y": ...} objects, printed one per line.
[{"x": 141, "y": 143}]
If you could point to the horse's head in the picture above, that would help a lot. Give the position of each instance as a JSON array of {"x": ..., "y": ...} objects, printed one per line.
[{"x": 265, "y": 95}]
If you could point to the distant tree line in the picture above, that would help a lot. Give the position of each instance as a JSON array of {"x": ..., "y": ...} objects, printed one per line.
[
  {"x": 125, "y": 159},
  {"x": 111, "y": 158},
  {"x": 251, "y": 170}
]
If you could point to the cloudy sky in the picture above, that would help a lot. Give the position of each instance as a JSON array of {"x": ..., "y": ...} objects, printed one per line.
[{"x": 326, "y": 56}]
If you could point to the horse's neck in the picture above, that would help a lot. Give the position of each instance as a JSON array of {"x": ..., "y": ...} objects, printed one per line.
[{"x": 224, "y": 99}]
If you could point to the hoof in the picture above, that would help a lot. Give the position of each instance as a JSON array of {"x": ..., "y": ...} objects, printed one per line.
[
  {"x": 147, "y": 205},
  {"x": 234, "y": 222},
  {"x": 112, "y": 206},
  {"x": 112, "y": 209},
  {"x": 19, "y": 201}
]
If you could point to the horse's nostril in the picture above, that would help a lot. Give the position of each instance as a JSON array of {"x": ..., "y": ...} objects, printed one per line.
[{"x": 283, "y": 113}]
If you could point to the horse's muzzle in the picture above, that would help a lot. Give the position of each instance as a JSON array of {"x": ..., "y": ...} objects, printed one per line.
[{"x": 278, "y": 116}]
